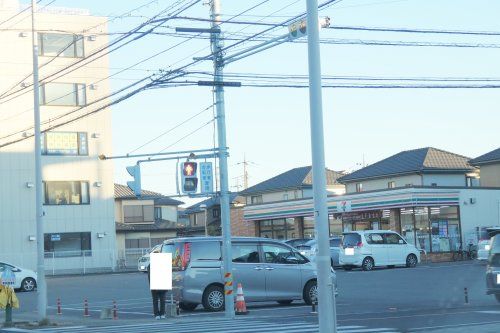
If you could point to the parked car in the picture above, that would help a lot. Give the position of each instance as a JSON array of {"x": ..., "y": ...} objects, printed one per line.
[
  {"x": 18, "y": 278},
  {"x": 483, "y": 244},
  {"x": 267, "y": 269},
  {"x": 371, "y": 248},
  {"x": 493, "y": 268},
  {"x": 143, "y": 262},
  {"x": 296, "y": 242},
  {"x": 310, "y": 250}
]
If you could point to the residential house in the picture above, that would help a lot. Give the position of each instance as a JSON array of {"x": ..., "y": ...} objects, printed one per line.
[
  {"x": 142, "y": 223},
  {"x": 419, "y": 167},
  {"x": 489, "y": 165},
  {"x": 204, "y": 218}
]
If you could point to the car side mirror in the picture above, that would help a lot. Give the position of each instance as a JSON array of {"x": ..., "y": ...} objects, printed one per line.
[{"x": 16, "y": 270}]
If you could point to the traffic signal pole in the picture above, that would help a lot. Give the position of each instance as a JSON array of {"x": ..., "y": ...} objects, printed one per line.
[
  {"x": 326, "y": 293},
  {"x": 218, "y": 60}
]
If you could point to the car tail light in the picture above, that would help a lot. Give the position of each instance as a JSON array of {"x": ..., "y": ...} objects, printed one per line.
[
  {"x": 359, "y": 244},
  {"x": 186, "y": 255}
]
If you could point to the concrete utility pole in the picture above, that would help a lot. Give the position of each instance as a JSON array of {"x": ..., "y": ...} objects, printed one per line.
[
  {"x": 326, "y": 296},
  {"x": 218, "y": 59},
  {"x": 41, "y": 284}
]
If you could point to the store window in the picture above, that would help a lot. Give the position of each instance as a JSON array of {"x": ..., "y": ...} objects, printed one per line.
[
  {"x": 66, "y": 193},
  {"x": 64, "y": 143},
  {"x": 422, "y": 228},
  {"x": 279, "y": 229},
  {"x": 69, "y": 244},
  {"x": 309, "y": 227},
  {"x": 335, "y": 225},
  {"x": 445, "y": 228},
  {"x": 60, "y": 45},
  {"x": 63, "y": 94},
  {"x": 407, "y": 225},
  {"x": 138, "y": 213}
]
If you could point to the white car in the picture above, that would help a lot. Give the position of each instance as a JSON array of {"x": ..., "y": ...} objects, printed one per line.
[
  {"x": 371, "y": 248},
  {"x": 143, "y": 262},
  {"x": 484, "y": 243},
  {"x": 17, "y": 278}
]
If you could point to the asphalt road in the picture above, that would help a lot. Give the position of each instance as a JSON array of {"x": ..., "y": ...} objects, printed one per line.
[{"x": 406, "y": 299}]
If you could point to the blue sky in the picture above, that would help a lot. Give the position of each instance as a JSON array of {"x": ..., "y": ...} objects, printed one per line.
[{"x": 271, "y": 126}]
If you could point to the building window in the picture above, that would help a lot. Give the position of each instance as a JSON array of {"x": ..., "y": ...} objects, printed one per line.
[
  {"x": 66, "y": 193},
  {"x": 192, "y": 220},
  {"x": 359, "y": 187},
  {"x": 157, "y": 214},
  {"x": 285, "y": 196},
  {"x": 140, "y": 243},
  {"x": 60, "y": 45},
  {"x": 69, "y": 244},
  {"x": 63, "y": 94},
  {"x": 471, "y": 181},
  {"x": 138, "y": 213},
  {"x": 434, "y": 184},
  {"x": 256, "y": 199},
  {"x": 391, "y": 184},
  {"x": 64, "y": 143},
  {"x": 216, "y": 213}
]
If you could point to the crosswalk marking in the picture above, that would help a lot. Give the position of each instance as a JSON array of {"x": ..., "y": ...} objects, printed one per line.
[{"x": 240, "y": 325}]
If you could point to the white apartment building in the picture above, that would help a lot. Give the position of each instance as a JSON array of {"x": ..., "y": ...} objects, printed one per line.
[{"x": 78, "y": 188}]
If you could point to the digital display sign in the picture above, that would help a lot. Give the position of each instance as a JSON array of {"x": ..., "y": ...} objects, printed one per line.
[{"x": 64, "y": 143}]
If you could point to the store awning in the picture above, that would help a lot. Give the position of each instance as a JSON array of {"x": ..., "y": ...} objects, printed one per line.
[{"x": 357, "y": 202}]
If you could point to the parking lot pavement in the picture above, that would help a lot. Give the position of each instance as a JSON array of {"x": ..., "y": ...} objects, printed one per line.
[{"x": 406, "y": 298}]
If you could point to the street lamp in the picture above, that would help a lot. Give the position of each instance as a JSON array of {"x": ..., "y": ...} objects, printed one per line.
[{"x": 204, "y": 208}]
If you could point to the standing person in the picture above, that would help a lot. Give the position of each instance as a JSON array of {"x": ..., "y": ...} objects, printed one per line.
[{"x": 158, "y": 296}]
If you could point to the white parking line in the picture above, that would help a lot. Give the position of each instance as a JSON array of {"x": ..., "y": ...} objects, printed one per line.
[{"x": 452, "y": 326}]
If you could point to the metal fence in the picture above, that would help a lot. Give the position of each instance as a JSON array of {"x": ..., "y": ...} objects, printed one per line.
[{"x": 79, "y": 262}]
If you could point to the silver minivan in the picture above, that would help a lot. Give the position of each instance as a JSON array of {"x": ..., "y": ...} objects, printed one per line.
[{"x": 267, "y": 269}]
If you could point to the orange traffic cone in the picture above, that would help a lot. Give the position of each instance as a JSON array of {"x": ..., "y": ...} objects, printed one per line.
[{"x": 241, "y": 307}]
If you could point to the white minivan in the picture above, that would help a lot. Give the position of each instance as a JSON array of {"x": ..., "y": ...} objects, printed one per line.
[{"x": 370, "y": 248}]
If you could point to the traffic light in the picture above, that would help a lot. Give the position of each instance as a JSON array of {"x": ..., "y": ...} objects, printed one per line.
[
  {"x": 135, "y": 185},
  {"x": 189, "y": 175}
]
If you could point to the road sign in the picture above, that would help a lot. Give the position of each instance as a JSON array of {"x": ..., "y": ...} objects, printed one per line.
[{"x": 206, "y": 177}]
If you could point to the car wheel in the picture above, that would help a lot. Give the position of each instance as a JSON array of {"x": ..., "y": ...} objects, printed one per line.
[
  {"x": 411, "y": 260},
  {"x": 347, "y": 268},
  {"x": 28, "y": 284},
  {"x": 368, "y": 264},
  {"x": 213, "y": 298},
  {"x": 287, "y": 302},
  {"x": 187, "y": 306},
  {"x": 497, "y": 296},
  {"x": 310, "y": 292}
]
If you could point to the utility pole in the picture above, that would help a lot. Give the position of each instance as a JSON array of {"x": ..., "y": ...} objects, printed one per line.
[
  {"x": 218, "y": 59},
  {"x": 245, "y": 172},
  {"x": 41, "y": 284},
  {"x": 326, "y": 293}
]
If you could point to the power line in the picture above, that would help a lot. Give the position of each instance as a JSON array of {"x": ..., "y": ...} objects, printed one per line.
[
  {"x": 171, "y": 129},
  {"x": 187, "y": 135}
]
